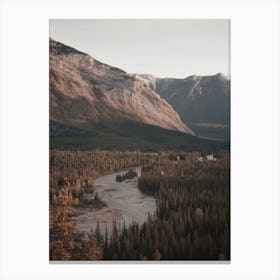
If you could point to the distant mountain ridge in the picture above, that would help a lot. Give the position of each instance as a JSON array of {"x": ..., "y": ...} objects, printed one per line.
[
  {"x": 202, "y": 102},
  {"x": 86, "y": 94}
]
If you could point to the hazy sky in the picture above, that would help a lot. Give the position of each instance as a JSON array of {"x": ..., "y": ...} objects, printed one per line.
[{"x": 164, "y": 48}]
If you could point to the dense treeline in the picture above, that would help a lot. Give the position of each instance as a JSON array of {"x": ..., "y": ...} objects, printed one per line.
[
  {"x": 71, "y": 188},
  {"x": 66, "y": 243},
  {"x": 192, "y": 220},
  {"x": 75, "y": 170}
]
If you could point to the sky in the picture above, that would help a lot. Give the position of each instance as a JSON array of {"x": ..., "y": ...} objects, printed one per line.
[{"x": 163, "y": 48}]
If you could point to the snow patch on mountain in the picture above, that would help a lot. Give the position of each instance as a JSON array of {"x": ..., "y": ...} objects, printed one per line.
[
  {"x": 148, "y": 80},
  {"x": 196, "y": 89}
]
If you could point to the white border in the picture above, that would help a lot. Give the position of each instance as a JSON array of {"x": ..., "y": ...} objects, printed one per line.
[{"x": 255, "y": 138}]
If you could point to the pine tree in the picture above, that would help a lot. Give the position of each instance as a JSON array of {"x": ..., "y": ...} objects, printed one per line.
[{"x": 98, "y": 234}]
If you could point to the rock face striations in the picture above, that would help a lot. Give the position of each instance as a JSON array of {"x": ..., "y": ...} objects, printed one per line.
[
  {"x": 202, "y": 102},
  {"x": 87, "y": 94},
  {"x": 195, "y": 98},
  {"x": 198, "y": 98}
]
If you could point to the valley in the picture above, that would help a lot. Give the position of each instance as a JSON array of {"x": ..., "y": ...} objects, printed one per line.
[
  {"x": 173, "y": 136},
  {"x": 177, "y": 209}
]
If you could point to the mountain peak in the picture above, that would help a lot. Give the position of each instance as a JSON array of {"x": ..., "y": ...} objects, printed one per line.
[
  {"x": 199, "y": 99},
  {"x": 222, "y": 76},
  {"x": 58, "y": 48},
  {"x": 85, "y": 92}
]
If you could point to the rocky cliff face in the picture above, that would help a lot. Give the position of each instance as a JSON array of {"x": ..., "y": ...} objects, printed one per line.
[
  {"x": 85, "y": 92},
  {"x": 202, "y": 102},
  {"x": 149, "y": 80},
  {"x": 195, "y": 98}
]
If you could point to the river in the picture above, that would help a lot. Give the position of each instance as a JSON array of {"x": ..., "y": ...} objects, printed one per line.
[{"x": 125, "y": 203}]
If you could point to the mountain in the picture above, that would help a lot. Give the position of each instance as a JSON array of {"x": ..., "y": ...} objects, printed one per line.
[
  {"x": 95, "y": 105},
  {"x": 88, "y": 96},
  {"x": 149, "y": 80},
  {"x": 202, "y": 102}
]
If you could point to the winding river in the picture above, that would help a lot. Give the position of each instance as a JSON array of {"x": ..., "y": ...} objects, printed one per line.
[{"x": 125, "y": 203}]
